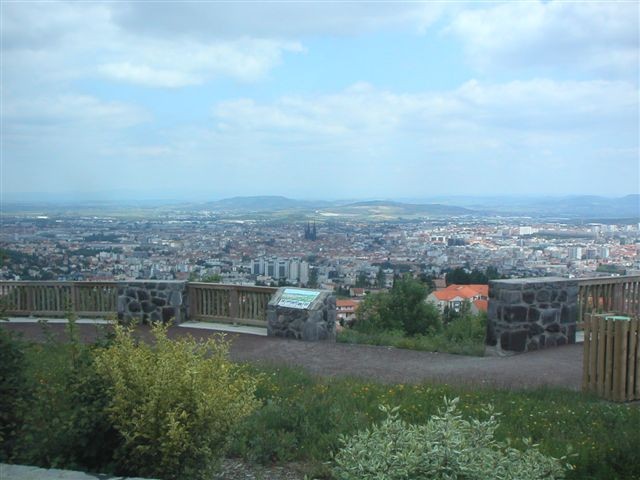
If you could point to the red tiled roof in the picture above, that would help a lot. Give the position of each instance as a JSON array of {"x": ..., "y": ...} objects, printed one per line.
[{"x": 462, "y": 291}]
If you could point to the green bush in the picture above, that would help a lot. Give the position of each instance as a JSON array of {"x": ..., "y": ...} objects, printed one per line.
[
  {"x": 173, "y": 403},
  {"x": 12, "y": 390},
  {"x": 63, "y": 414},
  {"x": 403, "y": 308},
  {"x": 446, "y": 447}
]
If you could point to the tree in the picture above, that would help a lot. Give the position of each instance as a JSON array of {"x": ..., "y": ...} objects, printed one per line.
[
  {"x": 361, "y": 280},
  {"x": 313, "y": 277},
  {"x": 403, "y": 308},
  {"x": 380, "y": 278}
]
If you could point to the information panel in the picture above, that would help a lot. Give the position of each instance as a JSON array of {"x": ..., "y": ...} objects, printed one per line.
[{"x": 296, "y": 298}]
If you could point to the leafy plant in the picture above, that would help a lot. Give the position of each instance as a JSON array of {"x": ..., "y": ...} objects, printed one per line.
[
  {"x": 12, "y": 390},
  {"x": 447, "y": 447},
  {"x": 174, "y": 403}
]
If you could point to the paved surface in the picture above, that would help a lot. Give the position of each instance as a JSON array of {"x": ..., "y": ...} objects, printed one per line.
[
  {"x": 558, "y": 367},
  {"x": 21, "y": 472}
]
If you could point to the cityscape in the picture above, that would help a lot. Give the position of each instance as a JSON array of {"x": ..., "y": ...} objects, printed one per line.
[{"x": 334, "y": 252}]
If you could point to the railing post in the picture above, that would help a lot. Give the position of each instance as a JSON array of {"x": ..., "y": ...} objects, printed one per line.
[{"x": 234, "y": 303}]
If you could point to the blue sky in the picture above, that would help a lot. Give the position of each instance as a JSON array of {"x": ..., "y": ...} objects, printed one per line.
[{"x": 205, "y": 100}]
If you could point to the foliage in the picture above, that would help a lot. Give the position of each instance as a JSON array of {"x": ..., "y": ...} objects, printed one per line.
[
  {"x": 213, "y": 278},
  {"x": 448, "y": 446},
  {"x": 460, "y": 276},
  {"x": 63, "y": 418},
  {"x": 403, "y": 309},
  {"x": 303, "y": 418},
  {"x": 12, "y": 386},
  {"x": 174, "y": 403}
]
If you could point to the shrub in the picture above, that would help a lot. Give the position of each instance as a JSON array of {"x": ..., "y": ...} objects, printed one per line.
[
  {"x": 12, "y": 389},
  {"x": 403, "y": 308},
  {"x": 447, "y": 447},
  {"x": 64, "y": 422},
  {"x": 174, "y": 403}
]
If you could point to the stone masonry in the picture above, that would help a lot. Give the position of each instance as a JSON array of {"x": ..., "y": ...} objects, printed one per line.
[
  {"x": 530, "y": 314},
  {"x": 150, "y": 300},
  {"x": 318, "y": 322}
]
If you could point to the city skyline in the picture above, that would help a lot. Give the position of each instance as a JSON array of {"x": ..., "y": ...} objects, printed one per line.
[{"x": 319, "y": 100}]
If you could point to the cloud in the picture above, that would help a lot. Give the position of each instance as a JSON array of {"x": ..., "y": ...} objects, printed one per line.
[
  {"x": 216, "y": 20},
  {"x": 81, "y": 40},
  {"x": 541, "y": 105},
  {"x": 595, "y": 36}
]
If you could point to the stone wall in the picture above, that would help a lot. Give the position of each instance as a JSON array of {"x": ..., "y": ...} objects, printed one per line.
[
  {"x": 152, "y": 301},
  {"x": 317, "y": 322},
  {"x": 530, "y": 314}
]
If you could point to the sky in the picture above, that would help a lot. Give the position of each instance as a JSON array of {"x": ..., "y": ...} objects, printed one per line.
[{"x": 318, "y": 99}]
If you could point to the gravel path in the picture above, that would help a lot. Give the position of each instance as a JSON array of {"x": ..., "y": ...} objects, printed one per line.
[{"x": 558, "y": 367}]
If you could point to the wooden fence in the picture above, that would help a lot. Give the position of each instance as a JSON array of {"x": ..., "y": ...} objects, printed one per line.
[
  {"x": 229, "y": 303},
  {"x": 611, "y": 362},
  {"x": 609, "y": 294},
  {"x": 86, "y": 299}
]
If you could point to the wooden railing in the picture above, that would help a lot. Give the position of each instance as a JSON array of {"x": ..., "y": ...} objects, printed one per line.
[
  {"x": 609, "y": 294},
  {"x": 87, "y": 299},
  {"x": 229, "y": 303}
]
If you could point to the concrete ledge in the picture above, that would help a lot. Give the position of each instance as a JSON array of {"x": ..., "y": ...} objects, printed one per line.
[
  {"x": 225, "y": 327},
  {"x": 23, "y": 472},
  {"x": 80, "y": 321}
]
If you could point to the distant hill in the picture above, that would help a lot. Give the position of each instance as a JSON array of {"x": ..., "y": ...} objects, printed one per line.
[
  {"x": 390, "y": 208},
  {"x": 266, "y": 203},
  {"x": 374, "y": 208}
]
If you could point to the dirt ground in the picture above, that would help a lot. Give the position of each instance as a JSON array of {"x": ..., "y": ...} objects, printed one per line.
[{"x": 557, "y": 367}]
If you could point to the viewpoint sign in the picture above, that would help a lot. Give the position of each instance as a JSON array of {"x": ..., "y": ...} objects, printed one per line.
[{"x": 297, "y": 298}]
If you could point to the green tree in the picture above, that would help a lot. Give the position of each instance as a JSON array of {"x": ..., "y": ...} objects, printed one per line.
[
  {"x": 361, "y": 280},
  {"x": 403, "y": 308},
  {"x": 313, "y": 277}
]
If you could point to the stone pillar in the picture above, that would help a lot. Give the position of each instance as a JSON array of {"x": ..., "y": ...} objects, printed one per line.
[
  {"x": 532, "y": 313},
  {"x": 155, "y": 301},
  {"x": 312, "y": 319}
]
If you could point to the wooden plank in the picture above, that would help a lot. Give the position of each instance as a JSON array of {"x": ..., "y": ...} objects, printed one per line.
[
  {"x": 231, "y": 320},
  {"x": 631, "y": 359},
  {"x": 586, "y": 355},
  {"x": 608, "y": 361},
  {"x": 621, "y": 329},
  {"x": 601, "y": 356}
]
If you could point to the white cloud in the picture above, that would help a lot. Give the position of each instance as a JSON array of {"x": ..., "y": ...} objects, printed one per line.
[
  {"x": 600, "y": 36},
  {"x": 67, "y": 41},
  {"x": 536, "y": 105}
]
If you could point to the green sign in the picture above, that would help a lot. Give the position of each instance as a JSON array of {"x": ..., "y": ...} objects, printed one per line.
[{"x": 297, "y": 298}]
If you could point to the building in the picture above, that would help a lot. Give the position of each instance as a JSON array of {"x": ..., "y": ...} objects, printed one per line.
[
  {"x": 346, "y": 311},
  {"x": 454, "y": 296}
]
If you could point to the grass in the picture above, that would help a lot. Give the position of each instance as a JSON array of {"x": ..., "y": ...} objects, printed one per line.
[
  {"x": 302, "y": 417},
  {"x": 432, "y": 343}
]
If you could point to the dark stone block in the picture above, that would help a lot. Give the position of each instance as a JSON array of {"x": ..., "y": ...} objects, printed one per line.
[
  {"x": 528, "y": 297},
  {"x": 569, "y": 314},
  {"x": 535, "y": 329},
  {"x": 542, "y": 340},
  {"x": 168, "y": 313},
  {"x": 148, "y": 307},
  {"x": 562, "y": 296},
  {"x": 134, "y": 307},
  {"x": 491, "y": 338},
  {"x": 561, "y": 341},
  {"x": 143, "y": 295},
  {"x": 120, "y": 291},
  {"x": 155, "y": 316},
  {"x": 553, "y": 328},
  {"x": 549, "y": 315},
  {"x": 554, "y": 295},
  {"x": 515, "y": 314},
  {"x": 532, "y": 345},
  {"x": 160, "y": 302},
  {"x": 131, "y": 292},
  {"x": 516, "y": 341},
  {"x": 534, "y": 314},
  {"x": 145, "y": 318},
  {"x": 551, "y": 342},
  {"x": 571, "y": 334},
  {"x": 150, "y": 286},
  {"x": 162, "y": 286},
  {"x": 510, "y": 296},
  {"x": 543, "y": 296}
]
